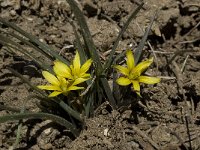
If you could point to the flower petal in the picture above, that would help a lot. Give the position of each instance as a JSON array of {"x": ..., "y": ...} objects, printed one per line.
[
  {"x": 62, "y": 80},
  {"x": 123, "y": 81},
  {"x": 55, "y": 93},
  {"x": 49, "y": 87},
  {"x": 76, "y": 64},
  {"x": 122, "y": 69},
  {"x": 130, "y": 60},
  {"x": 136, "y": 87},
  {"x": 62, "y": 69},
  {"x": 85, "y": 67},
  {"x": 79, "y": 80},
  {"x": 86, "y": 75},
  {"x": 50, "y": 78},
  {"x": 149, "y": 80},
  {"x": 141, "y": 67},
  {"x": 73, "y": 88}
]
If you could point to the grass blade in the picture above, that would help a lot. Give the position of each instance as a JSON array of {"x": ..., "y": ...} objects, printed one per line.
[
  {"x": 46, "y": 48},
  {"x": 17, "y": 140},
  {"x": 138, "y": 51},
  {"x": 86, "y": 34},
  {"x": 131, "y": 17},
  {"x": 57, "y": 100},
  {"x": 68, "y": 109},
  {"x": 91, "y": 47},
  {"x": 40, "y": 115},
  {"x": 81, "y": 51},
  {"x": 108, "y": 92},
  {"x": 25, "y": 80},
  {"x": 25, "y": 41},
  {"x": 13, "y": 45}
]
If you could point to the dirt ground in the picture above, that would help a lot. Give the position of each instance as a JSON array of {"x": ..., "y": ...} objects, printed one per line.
[{"x": 168, "y": 113}]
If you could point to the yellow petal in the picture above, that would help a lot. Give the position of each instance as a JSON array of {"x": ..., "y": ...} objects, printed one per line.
[
  {"x": 130, "y": 60},
  {"x": 62, "y": 80},
  {"x": 50, "y": 78},
  {"x": 49, "y": 87},
  {"x": 149, "y": 80},
  {"x": 72, "y": 69},
  {"x": 76, "y": 64},
  {"x": 136, "y": 86},
  {"x": 55, "y": 93},
  {"x": 79, "y": 80},
  {"x": 123, "y": 81},
  {"x": 85, "y": 67},
  {"x": 122, "y": 69},
  {"x": 86, "y": 75},
  {"x": 62, "y": 69},
  {"x": 73, "y": 88},
  {"x": 141, "y": 67}
]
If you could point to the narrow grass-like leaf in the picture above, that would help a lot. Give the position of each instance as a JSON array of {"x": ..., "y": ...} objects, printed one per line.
[
  {"x": 40, "y": 115},
  {"x": 25, "y": 80},
  {"x": 88, "y": 107},
  {"x": 79, "y": 45},
  {"x": 61, "y": 103},
  {"x": 116, "y": 89},
  {"x": 68, "y": 109},
  {"x": 108, "y": 92},
  {"x": 138, "y": 51},
  {"x": 19, "y": 128},
  {"x": 46, "y": 48},
  {"x": 27, "y": 42},
  {"x": 2, "y": 107},
  {"x": 14, "y": 45},
  {"x": 131, "y": 17},
  {"x": 86, "y": 34},
  {"x": 91, "y": 47}
]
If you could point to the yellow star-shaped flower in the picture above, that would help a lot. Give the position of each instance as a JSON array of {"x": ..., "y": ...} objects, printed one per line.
[
  {"x": 59, "y": 85},
  {"x": 132, "y": 74},
  {"x": 75, "y": 71}
]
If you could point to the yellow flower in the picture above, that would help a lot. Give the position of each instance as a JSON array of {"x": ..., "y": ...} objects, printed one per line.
[
  {"x": 59, "y": 85},
  {"x": 75, "y": 71},
  {"x": 132, "y": 73}
]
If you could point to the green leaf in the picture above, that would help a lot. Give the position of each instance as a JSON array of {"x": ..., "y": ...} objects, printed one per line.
[
  {"x": 86, "y": 35},
  {"x": 25, "y": 80},
  {"x": 16, "y": 46},
  {"x": 108, "y": 92},
  {"x": 131, "y": 17},
  {"x": 40, "y": 115},
  {"x": 138, "y": 51},
  {"x": 79, "y": 46},
  {"x": 46, "y": 48},
  {"x": 92, "y": 50},
  {"x": 56, "y": 99},
  {"x": 27, "y": 42}
]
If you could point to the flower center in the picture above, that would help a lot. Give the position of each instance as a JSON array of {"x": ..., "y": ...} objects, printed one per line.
[
  {"x": 64, "y": 88},
  {"x": 133, "y": 75}
]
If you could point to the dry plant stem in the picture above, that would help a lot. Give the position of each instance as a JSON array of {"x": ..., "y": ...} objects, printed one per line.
[
  {"x": 188, "y": 131},
  {"x": 88, "y": 88},
  {"x": 191, "y": 30},
  {"x": 178, "y": 137},
  {"x": 180, "y": 84},
  {"x": 183, "y": 37},
  {"x": 179, "y": 77},
  {"x": 158, "y": 111},
  {"x": 139, "y": 132},
  {"x": 184, "y": 63},
  {"x": 190, "y": 41}
]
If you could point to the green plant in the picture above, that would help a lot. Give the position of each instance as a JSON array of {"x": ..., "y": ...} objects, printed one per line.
[{"x": 64, "y": 78}]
